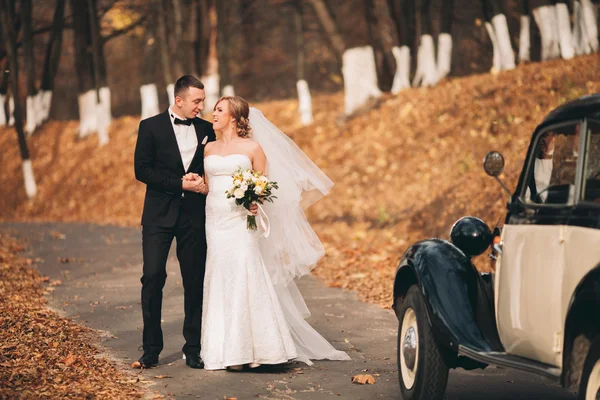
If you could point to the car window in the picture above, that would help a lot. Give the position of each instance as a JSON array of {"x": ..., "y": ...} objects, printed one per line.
[
  {"x": 591, "y": 188},
  {"x": 551, "y": 178}
]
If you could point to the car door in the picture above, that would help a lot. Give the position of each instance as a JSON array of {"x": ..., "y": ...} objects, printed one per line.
[{"x": 531, "y": 269}]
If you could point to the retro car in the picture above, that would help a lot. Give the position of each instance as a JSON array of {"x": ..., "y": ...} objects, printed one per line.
[{"x": 539, "y": 311}]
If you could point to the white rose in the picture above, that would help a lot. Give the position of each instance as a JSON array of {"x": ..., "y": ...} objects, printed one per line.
[
  {"x": 244, "y": 187},
  {"x": 247, "y": 175},
  {"x": 264, "y": 179},
  {"x": 239, "y": 193},
  {"x": 258, "y": 190}
]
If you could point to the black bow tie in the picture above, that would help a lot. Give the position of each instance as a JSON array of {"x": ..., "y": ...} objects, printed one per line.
[{"x": 187, "y": 122}]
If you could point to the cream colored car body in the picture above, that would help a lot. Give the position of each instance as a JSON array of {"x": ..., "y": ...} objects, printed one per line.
[{"x": 536, "y": 276}]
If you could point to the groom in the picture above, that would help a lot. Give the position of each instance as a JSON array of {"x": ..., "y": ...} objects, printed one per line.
[{"x": 169, "y": 146}]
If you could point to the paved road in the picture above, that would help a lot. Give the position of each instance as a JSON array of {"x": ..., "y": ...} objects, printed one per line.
[{"x": 101, "y": 289}]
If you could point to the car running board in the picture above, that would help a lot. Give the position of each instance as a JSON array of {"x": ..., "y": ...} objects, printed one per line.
[{"x": 506, "y": 360}]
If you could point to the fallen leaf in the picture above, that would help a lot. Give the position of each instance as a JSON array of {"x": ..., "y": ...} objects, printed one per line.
[{"x": 363, "y": 379}]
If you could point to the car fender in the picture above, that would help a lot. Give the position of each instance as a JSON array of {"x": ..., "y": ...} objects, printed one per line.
[{"x": 448, "y": 282}]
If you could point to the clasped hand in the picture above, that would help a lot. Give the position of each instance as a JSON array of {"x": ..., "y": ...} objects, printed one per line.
[{"x": 193, "y": 182}]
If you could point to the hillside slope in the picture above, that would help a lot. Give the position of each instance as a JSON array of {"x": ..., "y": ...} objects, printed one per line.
[{"x": 404, "y": 171}]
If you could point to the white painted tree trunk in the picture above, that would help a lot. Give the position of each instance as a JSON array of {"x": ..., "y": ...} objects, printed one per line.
[
  {"x": 579, "y": 43},
  {"x": 46, "y": 102},
  {"x": 211, "y": 88},
  {"x": 591, "y": 25},
  {"x": 11, "y": 111},
  {"x": 2, "y": 113},
  {"x": 496, "y": 62},
  {"x": 524, "y": 40},
  {"x": 507, "y": 56},
  {"x": 444, "y": 58},
  {"x": 30, "y": 185},
  {"x": 171, "y": 93},
  {"x": 30, "y": 114},
  {"x": 104, "y": 116},
  {"x": 34, "y": 113},
  {"x": 304, "y": 103},
  {"x": 149, "y": 95},
  {"x": 360, "y": 77},
  {"x": 228, "y": 91},
  {"x": 545, "y": 18},
  {"x": 87, "y": 113},
  {"x": 426, "y": 73},
  {"x": 402, "y": 76},
  {"x": 565, "y": 37}
]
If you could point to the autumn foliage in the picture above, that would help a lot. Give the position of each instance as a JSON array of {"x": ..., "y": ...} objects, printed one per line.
[
  {"x": 404, "y": 170},
  {"x": 43, "y": 355}
]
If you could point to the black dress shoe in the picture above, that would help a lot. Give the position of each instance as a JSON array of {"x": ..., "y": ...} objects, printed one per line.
[
  {"x": 193, "y": 360},
  {"x": 148, "y": 360}
]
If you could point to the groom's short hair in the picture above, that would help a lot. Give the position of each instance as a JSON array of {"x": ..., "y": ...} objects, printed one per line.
[{"x": 186, "y": 82}]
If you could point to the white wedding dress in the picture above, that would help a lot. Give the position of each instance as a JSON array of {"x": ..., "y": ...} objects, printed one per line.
[{"x": 246, "y": 318}]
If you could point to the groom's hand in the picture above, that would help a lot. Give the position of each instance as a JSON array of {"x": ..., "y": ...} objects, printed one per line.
[
  {"x": 196, "y": 185},
  {"x": 191, "y": 177}
]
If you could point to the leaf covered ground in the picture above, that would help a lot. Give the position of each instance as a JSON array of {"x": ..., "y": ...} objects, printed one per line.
[
  {"x": 43, "y": 355},
  {"x": 404, "y": 170}
]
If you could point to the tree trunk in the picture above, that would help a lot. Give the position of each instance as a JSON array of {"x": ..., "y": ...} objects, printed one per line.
[
  {"x": 384, "y": 58},
  {"x": 10, "y": 43},
  {"x": 202, "y": 36},
  {"x": 148, "y": 90},
  {"x": 331, "y": 30},
  {"x": 103, "y": 115},
  {"x": 225, "y": 83},
  {"x": 164, "y": 50},
  {"x": 52, "y": 59},
  {"x": 85, "y": 70},
  {"x": 33, "y": 100},
  {"x": 3, "y": 91},
  {"x": 402, "y": 13},
  {"x": 544, "y": 14},
  {"x": 426, "y": 73},
  {"x": 565, "y": 37},
  {"x": 497, "y": 27},
  {"x": 444, "y": 58},
  {"x": 524, "y": 34},
  {"x": 585, "y": 27},
  {"x": 304, "y": 98}
]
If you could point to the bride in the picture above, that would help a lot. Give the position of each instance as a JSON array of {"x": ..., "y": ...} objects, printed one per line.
[{"x": 252, "y": 311}]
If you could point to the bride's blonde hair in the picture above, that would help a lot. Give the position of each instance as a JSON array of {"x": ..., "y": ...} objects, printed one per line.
[{"x": 239, "y": 110}]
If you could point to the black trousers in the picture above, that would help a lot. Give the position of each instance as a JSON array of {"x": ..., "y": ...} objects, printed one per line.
[{"x": 191, "y": 253}]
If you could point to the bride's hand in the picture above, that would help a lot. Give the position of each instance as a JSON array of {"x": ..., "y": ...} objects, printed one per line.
[
  {"x": 191, "y": 177},
  {"x": 253, "y": 209}
]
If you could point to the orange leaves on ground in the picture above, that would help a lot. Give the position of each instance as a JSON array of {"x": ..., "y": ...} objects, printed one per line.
[
  {"x": 363, "y": 379},
  {"x": 43, "y": 355}
]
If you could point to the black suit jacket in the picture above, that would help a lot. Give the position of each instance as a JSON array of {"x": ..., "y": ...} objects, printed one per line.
[{"x": 158, "y": 164}]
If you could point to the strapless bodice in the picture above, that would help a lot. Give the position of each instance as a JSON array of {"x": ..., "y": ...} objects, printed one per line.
[{"x": 219, "y": 170}]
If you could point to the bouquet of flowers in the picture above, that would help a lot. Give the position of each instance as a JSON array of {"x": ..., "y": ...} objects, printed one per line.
[{"x": 251, "y": 187}]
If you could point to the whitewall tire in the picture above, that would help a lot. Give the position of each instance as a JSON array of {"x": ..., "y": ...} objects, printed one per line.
[{"x": 422, "y": 370}]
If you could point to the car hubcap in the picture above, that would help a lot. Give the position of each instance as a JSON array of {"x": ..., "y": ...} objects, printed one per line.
[
  {"x": 593, "y": 386},
  {"x": 409, "y": 353}
]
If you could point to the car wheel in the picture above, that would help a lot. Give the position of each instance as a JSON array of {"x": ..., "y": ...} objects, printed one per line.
[
  {"x": 589, "y": 388},
  {"x": 422, "y": 371}
]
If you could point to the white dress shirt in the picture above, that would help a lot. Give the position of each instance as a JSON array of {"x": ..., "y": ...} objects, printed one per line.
[{"x": 187, "y": 141}]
